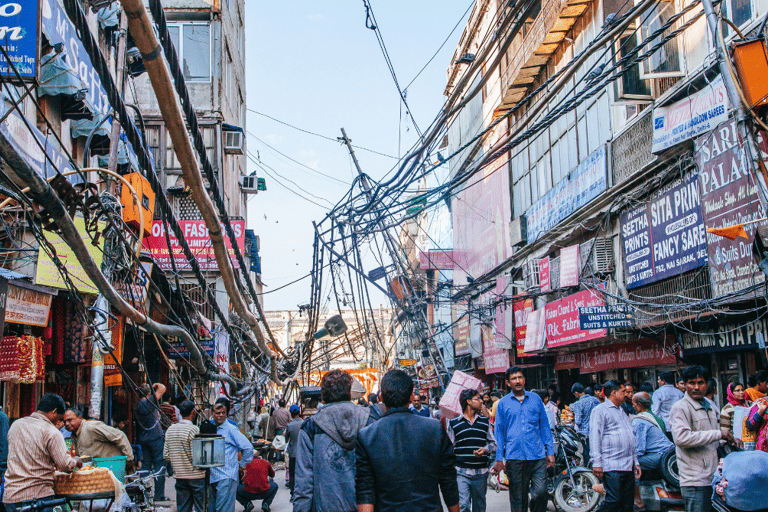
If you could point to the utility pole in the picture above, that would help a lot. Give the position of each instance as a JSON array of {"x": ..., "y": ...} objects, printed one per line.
[{"x": 422, "y": 325}]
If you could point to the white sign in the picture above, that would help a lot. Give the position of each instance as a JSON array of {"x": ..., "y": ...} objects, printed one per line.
[
  {"x": 569, "y": 266},
  {"x": 221, "y": 355},
  {"x": 534, "y": 334},
  {"x": 700, "y": 112},
  {"x": 27, "y": 307}
]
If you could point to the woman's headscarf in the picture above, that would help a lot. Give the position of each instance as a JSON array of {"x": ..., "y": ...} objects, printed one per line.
[{"x": 731, "y": 398}]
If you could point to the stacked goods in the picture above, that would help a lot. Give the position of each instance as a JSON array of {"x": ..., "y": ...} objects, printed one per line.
[
  {"x": 88, "y": 480},
  {"x": 9, "y": 358},
  {"x": 566, "y": 416},
  {"x": 449, "y": 403}
]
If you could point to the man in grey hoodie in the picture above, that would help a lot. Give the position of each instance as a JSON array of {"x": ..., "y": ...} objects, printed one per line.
[{"x": 325, "y": 455}]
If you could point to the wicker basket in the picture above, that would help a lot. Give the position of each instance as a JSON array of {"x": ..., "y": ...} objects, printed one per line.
[{"x": 85, "y": 481}]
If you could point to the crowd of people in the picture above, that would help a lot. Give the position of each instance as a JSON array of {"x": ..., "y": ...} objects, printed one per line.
[{"x": 391, "y": 452}]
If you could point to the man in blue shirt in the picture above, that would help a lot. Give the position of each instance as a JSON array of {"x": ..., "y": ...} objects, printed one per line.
[
  {"x": 524, "y": 441},
  {"x": 417, "y": 408},
  {"x": 224, "y": 479},
  {"x": 666, "y": 396}
]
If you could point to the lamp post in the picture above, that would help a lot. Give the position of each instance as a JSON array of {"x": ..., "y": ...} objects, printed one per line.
[{"x": 207, "y": 453}]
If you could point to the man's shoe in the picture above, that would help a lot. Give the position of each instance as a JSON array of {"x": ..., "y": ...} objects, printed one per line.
[
  {"x": 249, "y": 506},
  {"x": 265, "y": 507}
]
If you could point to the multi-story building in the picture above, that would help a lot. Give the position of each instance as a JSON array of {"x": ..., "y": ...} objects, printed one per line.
[{"x": 605, "y": 171}]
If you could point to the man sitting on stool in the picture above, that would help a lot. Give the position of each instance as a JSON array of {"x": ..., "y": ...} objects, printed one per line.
[
  {"x": 650, "y": 439},
  {"x": 257, "y": 484}
]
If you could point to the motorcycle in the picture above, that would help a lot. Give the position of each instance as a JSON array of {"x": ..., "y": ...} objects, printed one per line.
[
  {"x": 660, "y": 489},
  {"x": 140, "y": 488},
  {"x": 570, "y": 482}
]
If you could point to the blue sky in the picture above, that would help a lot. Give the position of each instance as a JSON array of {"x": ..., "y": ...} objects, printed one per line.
[{"x": 316, "y": 66}]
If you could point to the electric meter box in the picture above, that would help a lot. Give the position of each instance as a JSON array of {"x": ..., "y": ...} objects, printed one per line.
[
  {"x": 751, "y": 59},
  {"x": 146, "y": 202}
]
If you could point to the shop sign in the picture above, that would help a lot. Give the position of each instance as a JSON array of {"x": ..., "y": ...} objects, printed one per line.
[
  {"x": 521, "y": 309},
  {"x": 545, "y": 285},
  {"x": 48, "y": 274},
  {"x": 726, "y": 337},
  {"x": 665, "y": 235},
  {"x": 644, "y": 352},
  {"x": 535, "y": 332},
  {"x": 461, "y": 345},
  {"x": 436, "y": 260},
  {"x": 601, "y": 317},
  {"x": 569, "y": 266},
  {"x": 406, "y": 362},
  {"x": 428, "y": 377},
  {"x": 698, "y": 113},
  {"x": 196, "y": 235},
  {"x": 135, "y": 290},
  {"x": 28, "y": 307},
  {"x": 221, "y": 357},
  {"x": 582, "y": 185},
  {"x": 729, "y": 195},
  {"x": 562, "y": 319},
  {"x": 20, "y": 36},
  {"x": 112, "y": 374},
  {"x": 178, "y": 350}
]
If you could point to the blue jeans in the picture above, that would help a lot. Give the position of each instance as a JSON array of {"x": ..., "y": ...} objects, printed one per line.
[
  {"x": 649, "y": 461},
  {"x": 472, "y": 491},
  {"x": 245, "y": 497},
  {"x": 697, "y": 499},
  {"x": 619, "y": 491},
  {"x": 153, "y": 461},
  {"x": 190, "y": 494},
  {"x": 223, "y": 495},
  {"x": 527, "y": 476}
]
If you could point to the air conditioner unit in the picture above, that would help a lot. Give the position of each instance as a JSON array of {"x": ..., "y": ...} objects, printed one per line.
[
  {"x": 249, "y": 184},
  {"x": 531, "y": 274},
  {"x": 518, "y": 231},
  {"x": 598, "y": 256},
  {"x": 233, "y": 142}
]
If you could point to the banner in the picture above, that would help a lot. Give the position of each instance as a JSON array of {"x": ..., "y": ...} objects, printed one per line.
[
  {"x": 20, "y": 37},
  {"x": 729, "y": 196},
  {"x": 47, "y": 273},
  {"x": 569, "y": 266},
  {"x": 535, "y": 331},
  {"x": 461, "y": 345},
  {"x": 112, "y": 375},
  {"x": 28, "y": 307},
  {"x": 521, "y": 309},
  {"x": 562, "y": 317},
  {"x": 196, "y": 235},
  {"x": 545, "y": 285},
  {"x": 665, "y": 235},
  {"x": 221, "y": 356},
  {"x": 644, "y": 352}
]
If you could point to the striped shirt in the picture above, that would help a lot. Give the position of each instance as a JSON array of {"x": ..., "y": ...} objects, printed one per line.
[
  {"x": 611, "y": 439},
  {"x": 178, "y": 450},
  {"x": 468, "y": 436},
  {"x": 234, "y": 442},
  {"x": 36, "y": 450}
]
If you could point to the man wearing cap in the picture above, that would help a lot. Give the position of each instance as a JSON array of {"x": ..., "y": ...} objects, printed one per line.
[{"x": 292, "y": 437}]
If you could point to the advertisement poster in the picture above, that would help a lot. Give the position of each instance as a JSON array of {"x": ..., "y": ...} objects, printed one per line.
[
  {"x": 496, "y": 344},
  {"x": 729, "y": 196},
  {"x": 521, "y": 309},
  {"x": 665, "y": 235},
  {"x": 112, "y": 375},
  {"x": 581, "y": 186},
  {"x": 645, "y": 352},
  {"x": 196, "y": 235},
  {"x": 20, "y": 38},
  {"x": 569, "y": 266},
  {"x": 221, "y": 357},
  {"x": 562, "y": 318},
  {"x": 696, "y": 114},
  {"x": 544, "y": 282},
  {"x": 47, "y": 273},
  {"x": 28, "y": 307}
]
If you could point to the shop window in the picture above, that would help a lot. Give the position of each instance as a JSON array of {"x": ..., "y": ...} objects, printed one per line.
[
  {"x": 193, "y": 45},
  {"x": 667, "y": 60}
]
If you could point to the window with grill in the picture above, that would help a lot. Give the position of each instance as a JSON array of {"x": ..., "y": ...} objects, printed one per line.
[
  {"x": 200, "y": 299},
  {"x": 209, "y": 138}
]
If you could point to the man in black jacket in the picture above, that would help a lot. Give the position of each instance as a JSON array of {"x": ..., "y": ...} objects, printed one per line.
[{"x": 404, "y": 461}]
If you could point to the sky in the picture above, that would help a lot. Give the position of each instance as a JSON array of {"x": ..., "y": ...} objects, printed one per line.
[{"x": 316, "y": 66}]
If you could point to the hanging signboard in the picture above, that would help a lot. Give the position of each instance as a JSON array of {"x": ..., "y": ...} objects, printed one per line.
[
  {"x": 134, "y": 288},
  {"x": 436, "y": 260},
  {"x": 535, "y": 332},
  {"x": 644, "y": 352},
  {"x": 521, "y": 309},
  {"x": 48, "y": 274},
  {"x": 726, "y": 337},
  {"x": 665, "y": 235},
  {"x": 581, "y": 186},
  {"x": 461, "y": 345},
  {"x": 569, "y": 266},
  {"x": 562, "y": 317},
  {"x": 428, "y": 377},
  {"x": 20, "y": 36},
  {"x": 28, "y": 307},
  {"x": 729, "y": 196},
  {"x": 698, "y": 113},
  {"x": 601, "y": 317},
  {"x": 545, "y": 285},
  {"x": 221, "y": 357},
  {"x": 112, "y": 374},
  {"x": 196, "y": 235},
  {"x": 178, "y": 350}
]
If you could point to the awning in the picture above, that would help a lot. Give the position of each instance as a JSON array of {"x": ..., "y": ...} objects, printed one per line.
[
  {"x": 126, "y": 160},
  {"x": 58, "y": 79},
  {"x": 231, "y": 128},
  {"x": 109, "y": 16},
  {"x": 100, "y": 140}
]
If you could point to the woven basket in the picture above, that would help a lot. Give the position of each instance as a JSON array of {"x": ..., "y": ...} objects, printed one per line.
[{"x": 88, "y": 481}]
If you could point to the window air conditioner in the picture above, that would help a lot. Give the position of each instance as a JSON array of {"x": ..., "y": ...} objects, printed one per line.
[{"x": 233, "y": 142}]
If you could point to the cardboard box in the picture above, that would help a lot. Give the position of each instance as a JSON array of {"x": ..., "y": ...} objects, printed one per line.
[{"x": 449, "y": 403}]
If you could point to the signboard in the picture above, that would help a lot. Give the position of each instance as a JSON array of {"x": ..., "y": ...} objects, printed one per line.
[
  {"x": 581, "y": 186},
  {"x": 178, "y": 350},
  {"x": 377, "y": 273},
  {"x": 569, "y": 266},
  {"x": 28, "y": 307},
  {"x": 112, "y": 375},
  {"x": 196, "y": 235},
  {"x": 562, "y": 317},
  {"x": 428, "y": 377},
  {"x": 221, "y": 357},
  {"x": 436, "y": 260},
  {"x": 728, "y": 196},
  {"x": 644, "y": 352},
  {"x": 726, "y": 337},
  {"x": 521, "y": 309},
  {"x": 534, "y": 334},
  {"x": 601, "y": 317},
  {"x": 19, "y": 36},
  {"x": 461, "y": 345},
  {"x": 135, "y": 290},
  {"x": 698, "y": 113},
  {"x": 665, "y": 235},
  {"x": 406, "y": 362},
  {"x": 545, "y": 285},
  {"x": 47, "y": 273}
]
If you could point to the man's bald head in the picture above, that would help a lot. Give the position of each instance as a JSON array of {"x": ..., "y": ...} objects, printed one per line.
[{"x": 641, "y": 401}]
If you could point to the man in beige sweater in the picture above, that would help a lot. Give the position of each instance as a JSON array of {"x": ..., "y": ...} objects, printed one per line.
[
  {"x": 96, "y": 439},
  {"x": 696, "y": 433}
]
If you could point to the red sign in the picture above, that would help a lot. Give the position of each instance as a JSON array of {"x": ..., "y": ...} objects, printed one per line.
[
  {"x": 436, "y": 260},
  {"x": 569, "y": 266},
  {"x": 544, "y": 282},
  {"x": 521, "y": 309},
  {"x": 196, "y": 235},
  {"x": 645, "y": 352},
  {"x": 562, "y": 318}
]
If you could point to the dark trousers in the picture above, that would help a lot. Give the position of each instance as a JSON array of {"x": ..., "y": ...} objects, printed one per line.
[
  {"x": 291, "y": 473},
  {"x": 190, "y": 494},
  {"x": 697, "y": 499},
  {"x": 266, "y": 497},
  {"x": 527, "y": 476},
  {"x": 152, "y": 454},
  {"x": 619, "y": 491}
]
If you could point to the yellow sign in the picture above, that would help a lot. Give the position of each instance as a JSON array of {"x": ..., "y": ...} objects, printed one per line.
[
  {"x": 48, "y": 273},
  {"x": 406, "y": 362}
]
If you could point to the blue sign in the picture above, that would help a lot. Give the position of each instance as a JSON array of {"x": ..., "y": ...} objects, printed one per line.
[
  {"x": 19, "y": 37},
  {"x": 605, "y": 317},
  {"x": 664, "y": 236}
]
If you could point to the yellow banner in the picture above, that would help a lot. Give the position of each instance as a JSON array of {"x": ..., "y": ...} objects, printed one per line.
[{"x": 48, "y": 274}]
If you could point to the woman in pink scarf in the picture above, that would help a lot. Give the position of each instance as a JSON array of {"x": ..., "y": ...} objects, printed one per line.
[{"x": 736, "y": 398}]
